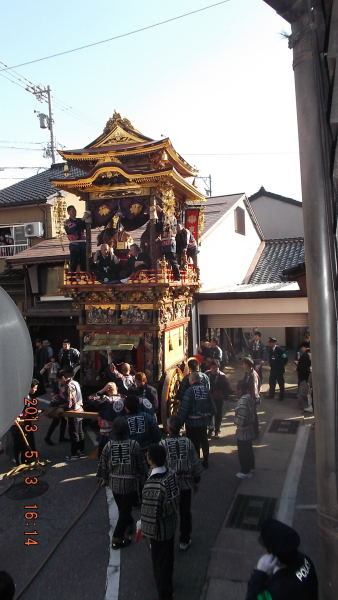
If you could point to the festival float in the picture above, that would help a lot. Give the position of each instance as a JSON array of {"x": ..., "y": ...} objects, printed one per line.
[{"x": 128, "y": 183}]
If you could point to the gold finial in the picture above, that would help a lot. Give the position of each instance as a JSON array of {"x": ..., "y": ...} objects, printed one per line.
[{"x": 116, "y": 119}]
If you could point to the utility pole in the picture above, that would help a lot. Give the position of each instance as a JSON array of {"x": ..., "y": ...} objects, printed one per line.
[
  {"x": 50, "y": 124},
  {"x": 311, "y": 30},
  {"x": 207, "y": 181},
  {"x": 46, "y": 121}
]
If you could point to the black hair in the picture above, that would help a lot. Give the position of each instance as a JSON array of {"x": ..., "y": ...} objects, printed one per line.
[
  {"x": 157, "y": 455},
  {"x": 196, "y": 375},
  {"x": 70, "y": 206},
  {"x": 7, "y": 586},
  {"x": 215, "y": 340},
  {"x": 174, "y": 424},
  {"x": 120, "y": 428},
  {"x": 193, "y": 364},
  {"x": 258, "y": 333},
  {"x": 132, "y": 403},
  {"x": 34, "y": 382},
  {"x": 66, "y": 372},
  {"x": 66, "y": 342}
]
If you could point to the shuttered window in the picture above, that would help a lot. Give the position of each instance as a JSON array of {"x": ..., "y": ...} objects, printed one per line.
[{"x": 239, "y": 215}]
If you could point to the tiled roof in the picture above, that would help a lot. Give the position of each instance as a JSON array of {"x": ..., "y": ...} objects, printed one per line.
[
  {"x": 52, "y": 250},
  {"x": 263, "y": 192},
  {"x": 216, "y": 207},
  {"x": 56, "y": 250},
  {"x": 35, "y": 189},
  {"x": 277, "y": 256}
]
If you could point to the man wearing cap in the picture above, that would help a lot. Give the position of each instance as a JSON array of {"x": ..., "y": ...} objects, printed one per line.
[
  {"x": 277, "y": 362},
  {"x": 283, "y": 572}
]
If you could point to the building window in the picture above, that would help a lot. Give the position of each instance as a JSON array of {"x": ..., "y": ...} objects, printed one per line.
[
  {"x": 239, "y": 214},
  {"x": 12, "y": 240}
]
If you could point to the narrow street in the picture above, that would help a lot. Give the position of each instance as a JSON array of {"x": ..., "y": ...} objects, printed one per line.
[{"x": 78, "y": 567}]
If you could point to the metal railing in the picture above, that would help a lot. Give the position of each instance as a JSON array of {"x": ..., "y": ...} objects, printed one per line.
[{"x": 12, "y": 249}]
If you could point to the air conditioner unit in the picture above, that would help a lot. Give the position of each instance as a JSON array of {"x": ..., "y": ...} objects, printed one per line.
[{"x": 33, "y": 229}]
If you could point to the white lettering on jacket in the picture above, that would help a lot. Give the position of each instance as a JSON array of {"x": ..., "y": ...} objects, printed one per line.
[{"x": 304, "y": 570}]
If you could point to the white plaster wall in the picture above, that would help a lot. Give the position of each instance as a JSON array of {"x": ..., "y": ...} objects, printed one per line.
[
  {"x": 225, "y": 256},
  {"x": 278, "y": 219},
  {"x": 257, "y": 306}
]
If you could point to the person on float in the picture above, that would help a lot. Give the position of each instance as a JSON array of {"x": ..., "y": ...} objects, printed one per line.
[
  {"x": 105, "y": 265},
  {"x": 75, "y": 229}
]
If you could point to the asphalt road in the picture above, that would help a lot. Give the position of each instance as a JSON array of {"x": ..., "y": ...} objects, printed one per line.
[{"x": 78, "y": 567}]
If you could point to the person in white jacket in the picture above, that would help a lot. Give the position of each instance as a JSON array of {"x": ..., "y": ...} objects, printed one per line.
[{"x": 245, "y": 432}]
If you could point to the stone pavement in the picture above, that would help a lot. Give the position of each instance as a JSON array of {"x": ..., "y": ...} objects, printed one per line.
[{"x": 236, "y": 550}]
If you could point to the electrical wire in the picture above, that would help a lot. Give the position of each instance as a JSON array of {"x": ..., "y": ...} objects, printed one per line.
[
  {"x": 12, "y": 81},
  {"x": 116, "y": 37},
  {"x": 18, "y": 76},
  {"x": 236, "y": 153},
  {"x": 5, "y": 168},
  {"x": 20, "y": 148},
  {"x": 29, "y": 86},
  {"x": 19, "y": 142}
]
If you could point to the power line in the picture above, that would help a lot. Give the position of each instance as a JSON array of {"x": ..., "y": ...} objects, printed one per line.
[
  {"x": 34, "y": 167},
  {"x": 116, "y": 37},
  {"x": 27, "y": 85},
  {"x": 19, "y": 142},
  {"x": 24, "y": 81},
  {"x": 20, "y": 148},
  {"x": 237, "y": 153},
  {"x": 12, "y": 81}
]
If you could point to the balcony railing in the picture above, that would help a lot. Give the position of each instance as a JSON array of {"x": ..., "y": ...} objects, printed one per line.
[
  {"x": 148, "y": 276},
  {"x": 12, "y": 249}
]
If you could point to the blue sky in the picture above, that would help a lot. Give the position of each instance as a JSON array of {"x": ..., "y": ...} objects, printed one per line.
[{"x": 219, "y": 83}]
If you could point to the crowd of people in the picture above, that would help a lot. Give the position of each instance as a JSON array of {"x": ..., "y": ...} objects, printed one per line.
[
  {"x": 118, "y": 258},
  {"x": 158, "y": 469}
]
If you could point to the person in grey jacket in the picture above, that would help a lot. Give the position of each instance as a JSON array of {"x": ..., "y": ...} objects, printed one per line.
[
  {"x": 123, "y": 467},
  {"x": 196, "y": 411},
  {"x": 182, "y": 459},
  {"x": 193, "y": 366},
  {"x": 160, "y": 497},
  {"x": 245, "y": 432}
]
